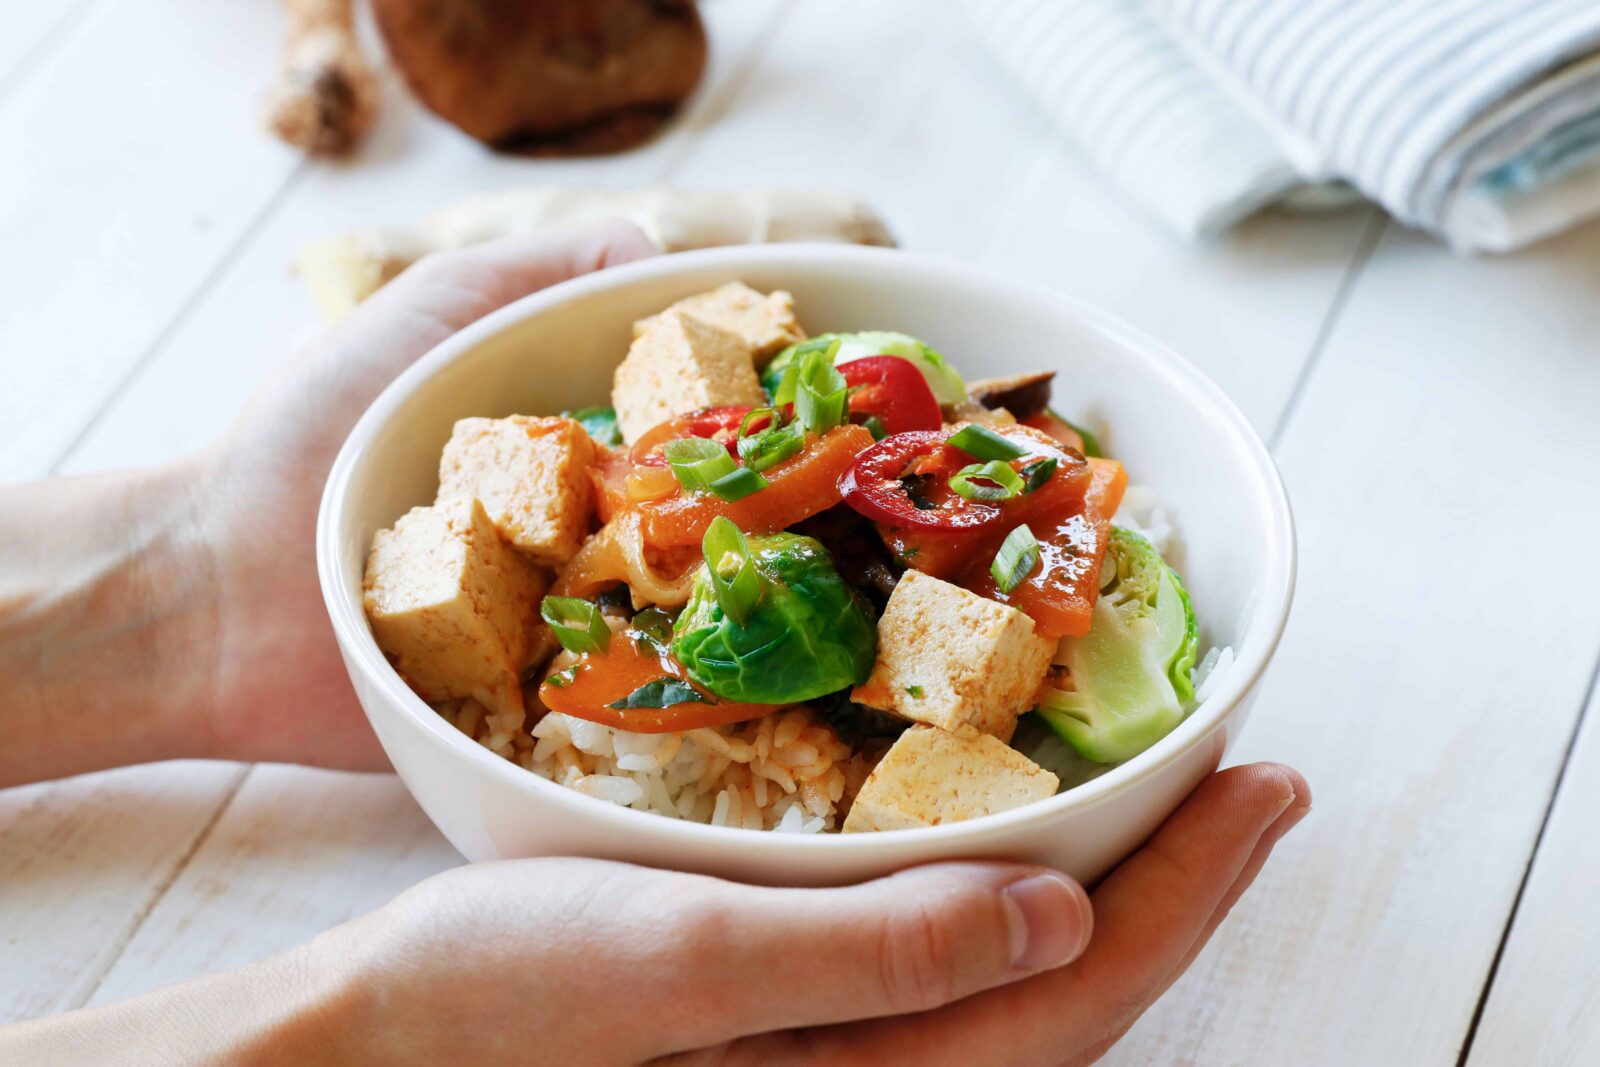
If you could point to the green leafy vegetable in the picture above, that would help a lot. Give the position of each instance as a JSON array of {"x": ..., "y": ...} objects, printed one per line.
[
  {"x": 654, "y": 625},
  {"x": 1131, "y": 671},
  {"x": 980, "y": 442},
  {"x": 601, "y": 424},
  {"x": 805, "y": 634},
  {"x": 577, "y": 624},
  {"x": 1017, "y": 558},
  {"x": 947, "y": 386},
  {"x": 661, "y": 693},
  {"x": 987, "y": 481}
]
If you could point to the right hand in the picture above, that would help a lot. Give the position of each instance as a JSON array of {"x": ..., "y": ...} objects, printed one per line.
[{"x": 580, "y": 961}]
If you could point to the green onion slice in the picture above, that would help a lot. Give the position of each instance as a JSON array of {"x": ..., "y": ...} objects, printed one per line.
[
  {"x": 773, "y": 416},
  {"x": 563, "y": 678},
  {"x": 772, "y": 446},
  {"x": 698, "y": 461},
  {"x": 731, "y": 566},
  {"x": 737, "y": 484},
  {"x": 875, "y": 427},
  {"x": 577, "y": 624},
  {"x": 789, "y": 384},
  {"x": 1036, "y": 473},
  {"x": 987, "y": 481},
  {"x": 980, "y": 442},
  {"x": 1017, "y": 558},
  {"x": 821, "y": 394}
]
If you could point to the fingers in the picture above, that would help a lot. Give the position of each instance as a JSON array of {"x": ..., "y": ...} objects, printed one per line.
[
  {"x": 1151, "y": 915},
  {"x": 773, "y": 959},
  {"x": 455, "y": 289}
]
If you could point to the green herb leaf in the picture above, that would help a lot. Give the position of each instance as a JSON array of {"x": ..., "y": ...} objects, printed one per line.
[
  {"x": 661, "y": 693},
  {"x": 577, "y": 624},
  {"x": 772, "y": 446},
  {"x": 654, "y": 625},
  {"x": 698, "y": 461},
  {"x": 601, "y": 424},
  {"x": 1036, "y": 473},
  {"x": 1017, "y": 558},
  {"x": 987, "y": 481},
  {"x": 563, "y": 678},
  {"x": 980, "y": 442},
  {"x": 730, "y": 565}
]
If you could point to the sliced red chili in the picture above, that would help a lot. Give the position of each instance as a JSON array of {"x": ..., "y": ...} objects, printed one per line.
[
  {"x": 889, "y": 483},
  {"x": 894, "y": 391},
  {"x": 720, "y": 423}
]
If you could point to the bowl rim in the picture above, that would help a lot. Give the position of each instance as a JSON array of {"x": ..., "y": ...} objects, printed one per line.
[{"x": 1271, "y": 609}]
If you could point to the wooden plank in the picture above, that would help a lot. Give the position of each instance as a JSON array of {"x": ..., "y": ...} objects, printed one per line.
[
  {"x": 1540, "y": 1008},
  {"x": 81, "y": 861},
  {"x": 1432, "y": 671},
  {"x": 297, "y": 851},
  {"x": 134, "y": 165},
  {"x": 257, "y": 311},
  {"x": 33, "y": 32},
  {"x": 914, "y": 119}
]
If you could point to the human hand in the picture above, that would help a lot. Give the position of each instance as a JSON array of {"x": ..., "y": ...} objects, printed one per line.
[
  {"x": 571, "y": 961},
  {"x": 279, "y": 690}
]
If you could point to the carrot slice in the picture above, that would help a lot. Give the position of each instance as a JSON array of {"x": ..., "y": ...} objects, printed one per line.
[
  {"x": 1059, "y": 595},
  {"x": 804, "y": 486}
]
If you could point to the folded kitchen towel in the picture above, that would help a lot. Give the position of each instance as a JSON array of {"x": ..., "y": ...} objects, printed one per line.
[{"x": 1478, "y": 120}]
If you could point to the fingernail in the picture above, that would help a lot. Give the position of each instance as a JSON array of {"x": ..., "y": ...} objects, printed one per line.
[{"x": 1049, "y": 919}]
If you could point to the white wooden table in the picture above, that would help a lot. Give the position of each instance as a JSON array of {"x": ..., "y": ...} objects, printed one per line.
[{"x": 1437, "y": 420}]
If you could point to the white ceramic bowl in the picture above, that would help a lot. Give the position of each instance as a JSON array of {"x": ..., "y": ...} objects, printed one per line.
[{"x": 1171, "y": 426}]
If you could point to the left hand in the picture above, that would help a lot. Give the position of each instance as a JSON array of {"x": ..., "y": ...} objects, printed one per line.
[{"x": 279, "y": 688}]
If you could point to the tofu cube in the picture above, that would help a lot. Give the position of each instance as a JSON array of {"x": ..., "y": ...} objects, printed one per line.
[
  {"x": 931, "y": 776},
  {"x": 951, "y": 658},
  {"x": 677, "y": 365},
  {"x": 532, "y": 476},
  {"x": 765, "y": 322},
  {"x": 452, "y": 605}
]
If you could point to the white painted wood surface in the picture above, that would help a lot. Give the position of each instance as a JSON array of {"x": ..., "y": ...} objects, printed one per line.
[{"x": 1430, "y": 415}]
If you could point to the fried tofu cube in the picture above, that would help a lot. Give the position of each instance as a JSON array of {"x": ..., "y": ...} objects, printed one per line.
[
  {"x": 677, "y": 365},
  {"x": 765, "y": 322},
  {"x": 931, "y": 776},
  {"x": 532, "y": 476},
  {"x": 452, "y": 605},
  {"x": 951, "y": 658}
]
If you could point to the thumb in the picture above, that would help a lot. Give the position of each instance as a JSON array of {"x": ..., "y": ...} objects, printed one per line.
[{"x": 781, "y": 958}]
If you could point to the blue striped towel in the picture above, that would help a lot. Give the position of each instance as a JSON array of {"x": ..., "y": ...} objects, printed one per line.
[{"x": 1477, "y": 120}]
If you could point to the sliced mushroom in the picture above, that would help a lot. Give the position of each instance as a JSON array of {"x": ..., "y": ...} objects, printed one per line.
[{"x": 1020, "y": 394}]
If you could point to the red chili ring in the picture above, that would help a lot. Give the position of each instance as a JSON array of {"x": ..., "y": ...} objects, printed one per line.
[{"x": 872, "y": 487}]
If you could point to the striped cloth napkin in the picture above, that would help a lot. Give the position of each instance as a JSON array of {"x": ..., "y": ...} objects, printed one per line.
[{"x": 1477, "y": 120}]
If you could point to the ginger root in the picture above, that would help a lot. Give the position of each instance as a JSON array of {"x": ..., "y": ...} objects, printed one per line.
[
  {"x": 548, "y": 76},
  {"x": 325, "y": 94},
  {"x": 343, "y": 271}
]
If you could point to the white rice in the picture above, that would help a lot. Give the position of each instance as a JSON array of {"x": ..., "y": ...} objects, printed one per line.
[{"x": 786, "y": 772}]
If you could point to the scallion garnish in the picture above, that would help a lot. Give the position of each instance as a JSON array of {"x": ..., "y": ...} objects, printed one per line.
[
  {"x": 772, "y": 446},
  {"x": 821, "y": 395},
  {"x": 563, "y": 678},
  {"x": 577, "y": 624},
  {"x": 1017, "y": 558},
  {"x": 1036, "y": 473},
  {"x": 731, "y": 566},
  {"x": 697, "y": 462},
  {"x": 654, "y": 625},
  {"x": 980, "y": 442},
  {"x": 661, "y": 693},
  {"x": 987, "y": 481},
  {"x": 773, "y": 416},
  {"x": 875, "y": 427},
  {"x": 789, "y": 384},
  {"x": 737, "y": 484}
]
